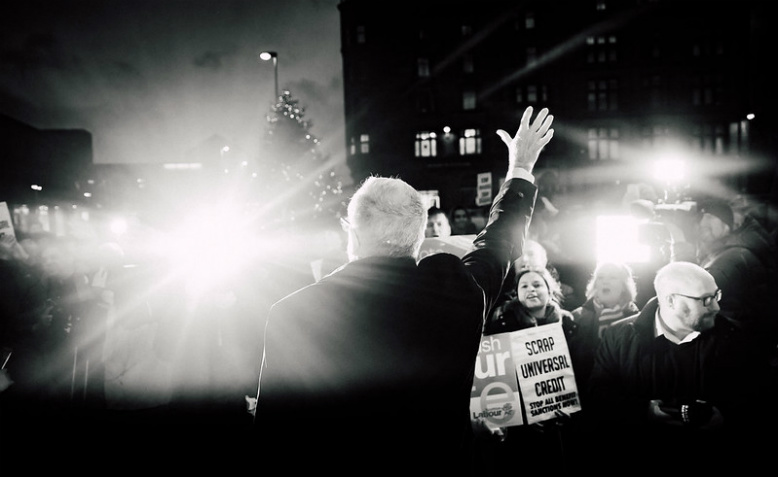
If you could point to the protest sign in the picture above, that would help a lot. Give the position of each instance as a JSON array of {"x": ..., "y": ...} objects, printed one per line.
[
  {"x": 545, "y": 372},
  {"x": 523, "y": 377},
  {"x": 495, "y": 395},
  {"x": 6, "y": 224}
]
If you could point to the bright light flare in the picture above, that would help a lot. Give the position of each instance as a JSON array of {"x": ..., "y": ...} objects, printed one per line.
[
  {"x": 618, "y": 240},
  {"x": 118, "y": 226},
  {"x": 670, "y": 170}
]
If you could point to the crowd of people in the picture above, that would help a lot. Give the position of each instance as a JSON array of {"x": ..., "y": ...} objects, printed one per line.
[{"x": 367, "y": 366}]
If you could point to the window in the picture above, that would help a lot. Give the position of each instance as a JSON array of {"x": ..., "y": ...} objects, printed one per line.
[
  {"x": 532, "y": 55},
  {"x": 655, "y": 137},
  {"x": 707, "y": 90},
  {"x": 529, "y": 20},
  {"x": 656, "y": 89},
  {"x": 709, "y": 139},
  {"x": 426, "y": 144},
  {"x": 424, "y": 101},
  {"x": 470, "y": 142},
  {"x": 364, "y": 144},
  {"x": 601, "y": 49},
  {"x": 603, "y": 143},
  {"x": 361, "y": 38},
  {"x": 531, "y": 93},
  {"x": 423, "y": 67},
  {"x": 603, "y": 95},
  {"x": 467, "y": 64},
  {"x": 468, "y": 100}
]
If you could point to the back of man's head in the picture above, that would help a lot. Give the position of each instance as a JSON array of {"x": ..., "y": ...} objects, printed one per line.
[{"x": 387, "y": 217}]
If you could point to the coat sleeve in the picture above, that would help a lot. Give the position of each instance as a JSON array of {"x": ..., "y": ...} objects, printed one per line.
[{"x": 502, "y": 240}]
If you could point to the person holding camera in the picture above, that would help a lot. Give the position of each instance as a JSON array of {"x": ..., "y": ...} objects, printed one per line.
[{"x": 679, "y": 380}]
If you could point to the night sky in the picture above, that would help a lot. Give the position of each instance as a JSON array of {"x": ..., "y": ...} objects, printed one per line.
[{"x": 152, "y": 80}]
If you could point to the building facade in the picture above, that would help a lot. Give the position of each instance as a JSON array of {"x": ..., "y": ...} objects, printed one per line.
[{"x": 634, "y": 85}]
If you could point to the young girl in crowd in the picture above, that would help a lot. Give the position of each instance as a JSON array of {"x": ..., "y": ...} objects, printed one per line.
[
  {"x": 528, "y": 447},
  {"x": 537, "y": 302}
]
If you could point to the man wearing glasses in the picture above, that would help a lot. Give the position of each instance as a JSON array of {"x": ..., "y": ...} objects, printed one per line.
[{"x": 679, "y": 376}]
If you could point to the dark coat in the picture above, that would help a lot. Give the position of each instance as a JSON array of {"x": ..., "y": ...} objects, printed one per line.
[
  {"x": 583, "y": 346},
  {"x": 373, "y": 365},
  {"x": 743, "y": 264},
  {"x": 721, "y": 366}
]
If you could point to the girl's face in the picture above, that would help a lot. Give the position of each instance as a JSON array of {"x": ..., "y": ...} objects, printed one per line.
[
  {"x": 532, "y": 291},
  {"x": 609, "y": 287}
]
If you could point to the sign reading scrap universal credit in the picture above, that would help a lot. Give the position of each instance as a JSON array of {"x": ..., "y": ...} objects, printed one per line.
[{"x": 526, "y": 372}]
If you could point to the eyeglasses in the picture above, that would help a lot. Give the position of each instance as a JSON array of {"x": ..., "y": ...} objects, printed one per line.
[{"x": 707, "y": 299}]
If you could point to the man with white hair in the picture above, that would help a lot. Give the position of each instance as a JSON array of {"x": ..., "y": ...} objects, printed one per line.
[
  {"x": 370, "y": 369},
  {"x": 679, "y": 376}
]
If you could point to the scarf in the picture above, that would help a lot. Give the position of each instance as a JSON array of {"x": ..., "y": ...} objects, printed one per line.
[{"x": 606, "y": 316}]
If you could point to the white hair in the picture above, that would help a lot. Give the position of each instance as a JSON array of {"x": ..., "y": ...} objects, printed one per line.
[{"x": 389, "y": 218}]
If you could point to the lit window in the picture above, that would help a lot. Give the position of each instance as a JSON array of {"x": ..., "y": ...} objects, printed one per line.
[
  {"x": 426, "y": 144},
  {"x": 364, "y": 143},
  {"x": 470, "y": 142},
  {"x": 603, "y": 143}
]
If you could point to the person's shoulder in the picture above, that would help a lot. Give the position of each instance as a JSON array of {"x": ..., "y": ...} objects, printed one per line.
[{"x": 627, "y": 321}]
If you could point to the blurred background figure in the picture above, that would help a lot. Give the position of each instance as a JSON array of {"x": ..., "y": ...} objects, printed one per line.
[
  {"x": 461, "y": 221},
  {"x": 743, "y": 262},
  {"x": 438, "y": 224}
]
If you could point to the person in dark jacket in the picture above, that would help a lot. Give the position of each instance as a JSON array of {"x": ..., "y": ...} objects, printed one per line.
[
  {"x": 610, "y": 296},
  {"x": 742, "y": 260},
  {"x": 370, "y": 369},
  {"x": 681, "y": 379}
]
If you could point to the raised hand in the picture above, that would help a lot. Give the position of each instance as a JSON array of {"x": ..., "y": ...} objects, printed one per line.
[{"x": 524, "y": 148}]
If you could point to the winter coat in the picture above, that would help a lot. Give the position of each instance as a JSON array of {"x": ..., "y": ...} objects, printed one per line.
[
  {"x": 743, "y": 264},
  {"x": 583, "y": 346},
  {"x": 721, "y": 366},
  {"x": 372, "y": 367}
]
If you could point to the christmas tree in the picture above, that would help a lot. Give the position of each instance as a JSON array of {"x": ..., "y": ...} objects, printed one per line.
[{"x": 300, "y": 179}]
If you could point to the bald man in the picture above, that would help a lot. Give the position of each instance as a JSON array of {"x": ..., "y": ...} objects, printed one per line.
[{"x": 680, "y": 377}]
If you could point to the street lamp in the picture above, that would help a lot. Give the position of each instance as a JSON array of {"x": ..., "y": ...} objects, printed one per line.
[{"x": 266, "y": 55}]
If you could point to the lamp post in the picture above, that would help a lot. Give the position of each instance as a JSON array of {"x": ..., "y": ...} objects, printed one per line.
[{"x": 266, "y": 55}]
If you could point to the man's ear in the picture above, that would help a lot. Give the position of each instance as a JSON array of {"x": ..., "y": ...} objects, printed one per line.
[{"x": 670, "y": 300}]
